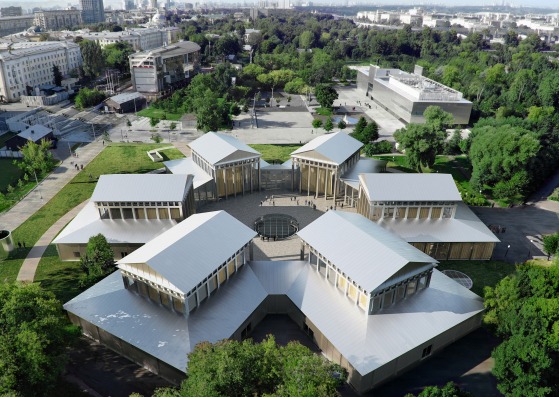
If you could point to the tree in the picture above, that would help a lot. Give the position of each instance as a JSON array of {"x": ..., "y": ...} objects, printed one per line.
[
  {"x": 128, "y": 123},
  {"x": 116, "y": 56},
  {"x": 359, "y": 126},
  {"x": 369, "y": 133},
  {"x": 317, "y": 123},
  {"x": 421, "y": 144},
  {"x": 232, "y": 368},
  {"x": 37, "y": 158},
  {"x": 157, "y": 138},
  {"x": 329, "y": 125},
  {"x": 524, "y": 309},
  {"x": 87, "y": 97},
  {"x": 551, "y": 244},
  {"x": 173, "y": 126},
  {"x": 448, "y": 390},
  {"x": 92, "y": 58},
  {"x": 32, "y": 340},
  {"x": 98, "y": 261},
  {"x": 437, "y": 119},
  {"x": 374, "y": 148},
  {"x": 306, "y": 40},
  {"x": 326, "y": 95},
  {"x": 342, "y": 125},
  {"x": 56, "y": 76},
  {"x": 153, "y": 121}
]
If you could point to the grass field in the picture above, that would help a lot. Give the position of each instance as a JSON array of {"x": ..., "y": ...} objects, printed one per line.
[
  {"x": 9, "y": 174},
  {"x": 483, "y": 273},
  {"x": 115, "y": 159},
  {"x": 159, "y": 114},
  {"x": 275, "y": 153}
]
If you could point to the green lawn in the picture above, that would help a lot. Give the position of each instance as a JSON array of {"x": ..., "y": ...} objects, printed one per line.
[
  {"x": 275, "y": 153},
  {"x": 482, "y": 273},
  {"x": 9, "y": 174},
  {"x": 58, "y": 277},
  {"x": 115, "y": 159},
  {"x": 159, "y": 114},
  {"x": 324, "y": 111}
]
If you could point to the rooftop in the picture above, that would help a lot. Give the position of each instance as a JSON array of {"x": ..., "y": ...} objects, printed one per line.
[
  {"x": 141, "y": 187},
  {"x": 35, "y": 132},
  {"x": 186, "y": 166},
  {"x": 125, "y": 97},
  {"x": 410, "y": 187},
  {"x": 331, "y": 148},
  {"x": 329, "y": 236},
  {"x": 182, "y": 47},
  {"x": 203, "y": 242},
  {"x": 217, "y": 148}
]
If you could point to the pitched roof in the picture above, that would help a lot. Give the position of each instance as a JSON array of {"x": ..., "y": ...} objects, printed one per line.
[
  {"x": 410, "y": 187},
  {"x": 348, "y": 241},
  {"x": 364, "y": 165},
  {"x": 465, "y": 227},
  {"x": 194, "y": 248},
  {"x": 188, "y": 166},
  {"x": 117, "y": 231},
  {"x": 333, "y": 148},
  {"x": 35, "y": 132},
  {"x": 215, "y": 148},
  {"x": 141, "y": 187}
]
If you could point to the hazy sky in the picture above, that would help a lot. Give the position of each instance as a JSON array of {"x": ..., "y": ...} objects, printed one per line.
[{"x": 515, "y": 3}]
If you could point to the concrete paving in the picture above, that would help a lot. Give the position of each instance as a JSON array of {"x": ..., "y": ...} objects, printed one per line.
[{"x": 48, "y": 188}]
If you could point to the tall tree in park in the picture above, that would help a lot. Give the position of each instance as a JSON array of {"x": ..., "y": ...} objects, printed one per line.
[
  {"x": 116, "y": 55},
  {"x": 306, "y": 40},
  {"x": 326, "y": 95},
  {"x": 329, "y": 125},
  {"x": 56, "y": 76},
  {"x": 232, "y": 368},
  {"x": 421, "y": 144},
  {"x": 437, "y": 119},
  {"x": 359, "y": 126},
  {"x": 32, "y": 340},
  {"x": 369, "y": 133},
  {"x": 448, "y": 390},
  {"x": 88, "y": 97},
  {"x": 37, "y": 158},
  {"x": 92, "y": 56},
  {"x": 98, "y": 260},
  {"x": 524, "y": 309}
]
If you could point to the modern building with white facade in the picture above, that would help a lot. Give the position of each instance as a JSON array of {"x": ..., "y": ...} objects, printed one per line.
[
  {"x": 29, "y": 64},
  {"x": 427, "y": 211},
  {"x": 370, "y": 301},
  {"x": 155, "y": 73},
  {"x": 407, "y": 95},
  {"x": 141, "y": 39},
  {"x": 129, "y": 210}
]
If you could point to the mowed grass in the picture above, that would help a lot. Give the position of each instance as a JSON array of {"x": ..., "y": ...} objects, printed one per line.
[
  {"x": 159, "y": 114},
  {"x": 275, "y": 153},
  {"x": 9, "y": 174},
  {"x": 483, "y": 273},
  {"x": 58, "y": 277},
  {"x": 114, "y": 159}
]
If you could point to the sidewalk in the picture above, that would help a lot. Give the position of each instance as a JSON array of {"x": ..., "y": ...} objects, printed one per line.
[
  {"x": 48, "y": 188},
  {"x": 29, "y": 266}
]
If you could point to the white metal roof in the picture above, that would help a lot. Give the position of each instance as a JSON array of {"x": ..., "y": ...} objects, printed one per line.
[
  {"x": 141, "y": 187},
  {"x": 363, "y": 166},
  {"x": 159, "y": 332},
  {"x": 216, "y": 147},
  {"x": 126, "y": 97},
  {"x": 370, "y": 341},
  {"x": 117, "y": 231},
  {"x": 410, "y": 187},
  {"x": 194, "y": 248},
  {"x": 361, "y": 249},
  {"x": 332, "y": 148},
  {"x": 465, "y": 227},
  {"x": 35, "y": 132},
  {"x": 188, "y": 166},
  {"x": 277, "y": 276}
]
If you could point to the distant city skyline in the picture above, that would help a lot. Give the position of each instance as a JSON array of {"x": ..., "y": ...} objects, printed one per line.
[{"x": 543, "y": 4}]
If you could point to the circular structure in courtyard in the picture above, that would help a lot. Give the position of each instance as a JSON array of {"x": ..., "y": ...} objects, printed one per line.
[
  {"x": 460, "y": 278},
  {"x": 276, "y": 226}
]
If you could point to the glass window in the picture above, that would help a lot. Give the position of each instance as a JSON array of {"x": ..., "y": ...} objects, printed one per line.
[{"x": 411, "y": 287}]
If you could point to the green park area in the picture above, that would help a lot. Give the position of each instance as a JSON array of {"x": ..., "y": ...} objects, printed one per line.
[
  {"x": 275, "y": 153},
  {"x": 114, "y": 159},
  {"x": 159, "y": 114}
]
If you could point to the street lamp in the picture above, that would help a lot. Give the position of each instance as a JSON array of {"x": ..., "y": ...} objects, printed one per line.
[
  {"x": 37, "y": 181},
  {"x": 507, "y": 251},
  {"x": 530, "y": 249},
  {"x": 93, "y": 128}
]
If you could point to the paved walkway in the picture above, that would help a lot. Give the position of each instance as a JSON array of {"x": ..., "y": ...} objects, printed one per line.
[
  {"x": 48, "y": 188},
  {"x": 29, "y": 266}
]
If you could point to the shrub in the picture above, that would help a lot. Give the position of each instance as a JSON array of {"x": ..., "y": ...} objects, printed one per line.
[
  {"x": 375, "y": 148},
  {"x": 317, "y": 123}
]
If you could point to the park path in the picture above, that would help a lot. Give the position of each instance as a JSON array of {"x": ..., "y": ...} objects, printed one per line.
[
  {"x": 48, "y": 188},
  {"x": 29, "y": 267}
]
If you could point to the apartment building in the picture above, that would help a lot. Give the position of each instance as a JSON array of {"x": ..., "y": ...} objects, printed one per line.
[
  {"x": 26, "y": 65},
  {"x": 58, "y": 19}
]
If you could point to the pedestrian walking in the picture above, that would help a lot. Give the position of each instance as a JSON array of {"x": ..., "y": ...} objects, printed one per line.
[
  {"x": 81, "y": 166},
  {"x": 103, "y": 142},
  {"x": 19, "y": 244}
]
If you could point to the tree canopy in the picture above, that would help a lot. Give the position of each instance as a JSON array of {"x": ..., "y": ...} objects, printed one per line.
[
  {"x": 237, "y": 369},
  {"x": 88, "y": 97},
  {"x": 32, "y": 340},
  {"x": 98, "y": 260},
  {"x": 116, "y": 56},
  {"x": 524, "y": 310},
  {"x": 326, "y": 95},
  {"x": 36, "y": 157},
  {"x": 92, "y": 56},
  {"x": 448, "y": 390}
]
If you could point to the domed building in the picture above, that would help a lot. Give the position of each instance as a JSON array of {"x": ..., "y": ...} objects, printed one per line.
[{"x": 158, "y": 20}]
